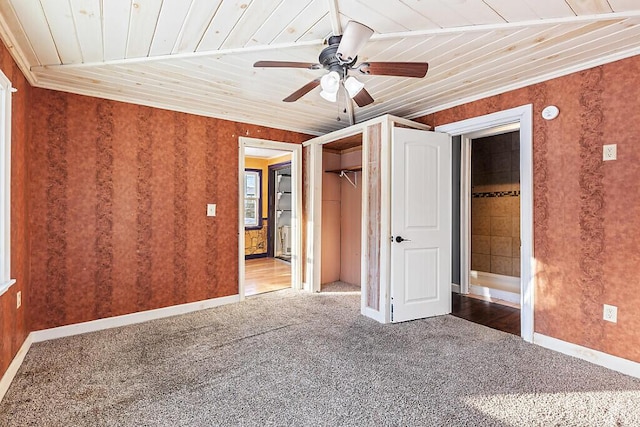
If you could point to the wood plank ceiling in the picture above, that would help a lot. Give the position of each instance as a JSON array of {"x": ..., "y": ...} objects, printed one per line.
[{"x": 196, "y": 56}]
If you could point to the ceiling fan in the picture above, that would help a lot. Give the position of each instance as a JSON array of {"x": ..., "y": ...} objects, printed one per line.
[{"x": 339, "y": 59}]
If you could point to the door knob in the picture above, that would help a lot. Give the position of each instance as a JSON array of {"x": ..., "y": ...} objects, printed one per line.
[{"x": 401, "y": 239}]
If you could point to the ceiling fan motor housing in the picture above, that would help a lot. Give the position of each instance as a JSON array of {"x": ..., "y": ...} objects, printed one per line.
[
  {"x": 339, "y": 58},
  {"x": 330, "y": 61}
]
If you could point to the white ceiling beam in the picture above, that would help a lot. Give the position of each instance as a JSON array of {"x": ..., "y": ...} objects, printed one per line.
[
  {"x": 334, "y": 16},
  {"x": 375, "y": 37}
]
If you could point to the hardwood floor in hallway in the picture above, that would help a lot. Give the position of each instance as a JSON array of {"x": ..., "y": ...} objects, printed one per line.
[
  {"x": 266, "y": 275},
  {"x": 496, "y": 316}
]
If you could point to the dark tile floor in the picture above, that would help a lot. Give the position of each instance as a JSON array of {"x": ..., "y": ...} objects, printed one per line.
[{"x": 486, "y": 313}]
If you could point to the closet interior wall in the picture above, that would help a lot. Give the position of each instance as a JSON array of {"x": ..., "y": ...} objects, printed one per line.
[{"x": 341, "y": 216}]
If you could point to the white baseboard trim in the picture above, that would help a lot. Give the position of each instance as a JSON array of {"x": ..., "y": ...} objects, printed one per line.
[
  {"x": 495, "y": 281},
  {"x": 455, "y": 288},
  {"x": 12, "y": 370},
  {"x": 101, "y": 324},
  {"x": 130, "y": 319},
  {"x": 614, "y": 363},
  {"x": 494, "y": 293}
]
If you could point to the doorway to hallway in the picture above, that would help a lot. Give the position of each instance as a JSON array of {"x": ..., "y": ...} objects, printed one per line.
[
  {"x": 269, "y": 226},
  {"x": 266, "y": 275}
]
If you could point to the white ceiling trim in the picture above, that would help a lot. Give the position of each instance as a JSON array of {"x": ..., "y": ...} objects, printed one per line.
[
  {"x": 14, "y": 46},
  {"x": 194, "y": 111}
]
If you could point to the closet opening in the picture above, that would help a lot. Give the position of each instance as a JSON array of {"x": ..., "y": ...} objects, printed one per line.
[{"x": 342, "y": 215}]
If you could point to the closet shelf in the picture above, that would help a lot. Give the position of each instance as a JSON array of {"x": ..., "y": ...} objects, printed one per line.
[
  {"x": 351, "y": 169},
  {"x": 345, "y": 173}
]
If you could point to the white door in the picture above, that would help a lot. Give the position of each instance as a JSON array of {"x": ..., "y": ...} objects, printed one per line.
[{"x": 420, "y": 224}]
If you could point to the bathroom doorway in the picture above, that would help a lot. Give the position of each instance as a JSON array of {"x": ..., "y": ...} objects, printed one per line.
[
  {"x": 493, "y": 297},
  {"x": 495, "y": 217},
  {"x": 503, "y": 122}
]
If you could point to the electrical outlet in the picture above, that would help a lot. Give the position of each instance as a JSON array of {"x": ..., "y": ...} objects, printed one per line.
[
  {"x": 211, "y": 209},
  {"x": 18, "y": 299},
  {"x": 610, "y": 313},
  {"x": 609, "y": 152}
]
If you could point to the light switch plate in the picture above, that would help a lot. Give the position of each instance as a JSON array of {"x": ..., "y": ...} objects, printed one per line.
[{"x": 211, "y": 209}]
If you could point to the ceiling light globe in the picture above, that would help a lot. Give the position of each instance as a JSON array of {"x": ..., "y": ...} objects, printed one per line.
[
  {"x": 330, "y": 82},
  {"x": 353, "y": 86},
  {"x": 329, "y": 96}
]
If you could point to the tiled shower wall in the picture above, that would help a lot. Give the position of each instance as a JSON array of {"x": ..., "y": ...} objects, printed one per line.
[{"x": 495, "y": 204}]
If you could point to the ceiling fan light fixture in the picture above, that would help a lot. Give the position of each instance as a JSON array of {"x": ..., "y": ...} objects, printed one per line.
[
  {"x": 354, "y": 38},
  {"x": 353, "y": 86},
  {"x": 329, "y": 96},
  {"x": 330, "y": 84}
]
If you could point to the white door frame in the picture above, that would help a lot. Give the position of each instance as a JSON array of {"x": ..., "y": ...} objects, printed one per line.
[
  {"x": 475, "y": 127},
  {"x": 296, "y": 187}
]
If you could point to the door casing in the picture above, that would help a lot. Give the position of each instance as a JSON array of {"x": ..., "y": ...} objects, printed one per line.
[{"x": 475, "y": 126}]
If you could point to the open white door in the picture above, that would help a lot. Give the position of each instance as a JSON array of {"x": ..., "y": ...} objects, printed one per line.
[{"x": 420, "y": 224}]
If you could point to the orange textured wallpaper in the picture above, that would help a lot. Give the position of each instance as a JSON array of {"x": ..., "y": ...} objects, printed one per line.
[
  {"x": 13, "y": 322},
  {"x": 586, "y": 211},
  {"x": 118, "y": 196}
]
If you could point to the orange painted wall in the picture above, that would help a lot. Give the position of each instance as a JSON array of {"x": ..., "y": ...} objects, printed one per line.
[
  {"x": 117, "y": 201},
  {"x": 13, "y": 322},
  {"x": 280, "y": 159},
  {"x": 586, "y": 211}
]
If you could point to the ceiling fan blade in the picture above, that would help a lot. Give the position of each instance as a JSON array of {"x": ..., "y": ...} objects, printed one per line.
[
  {"x": 355, "y": 36},
  {"x": 363, "y": 98},
  {"x": 400, "y": 69},
  {"x": 287, "y": 64},
  {"x": 303, "y": 91}
]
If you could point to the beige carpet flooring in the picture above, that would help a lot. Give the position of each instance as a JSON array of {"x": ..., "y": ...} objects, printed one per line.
[{"x": 294, "y": 359}]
